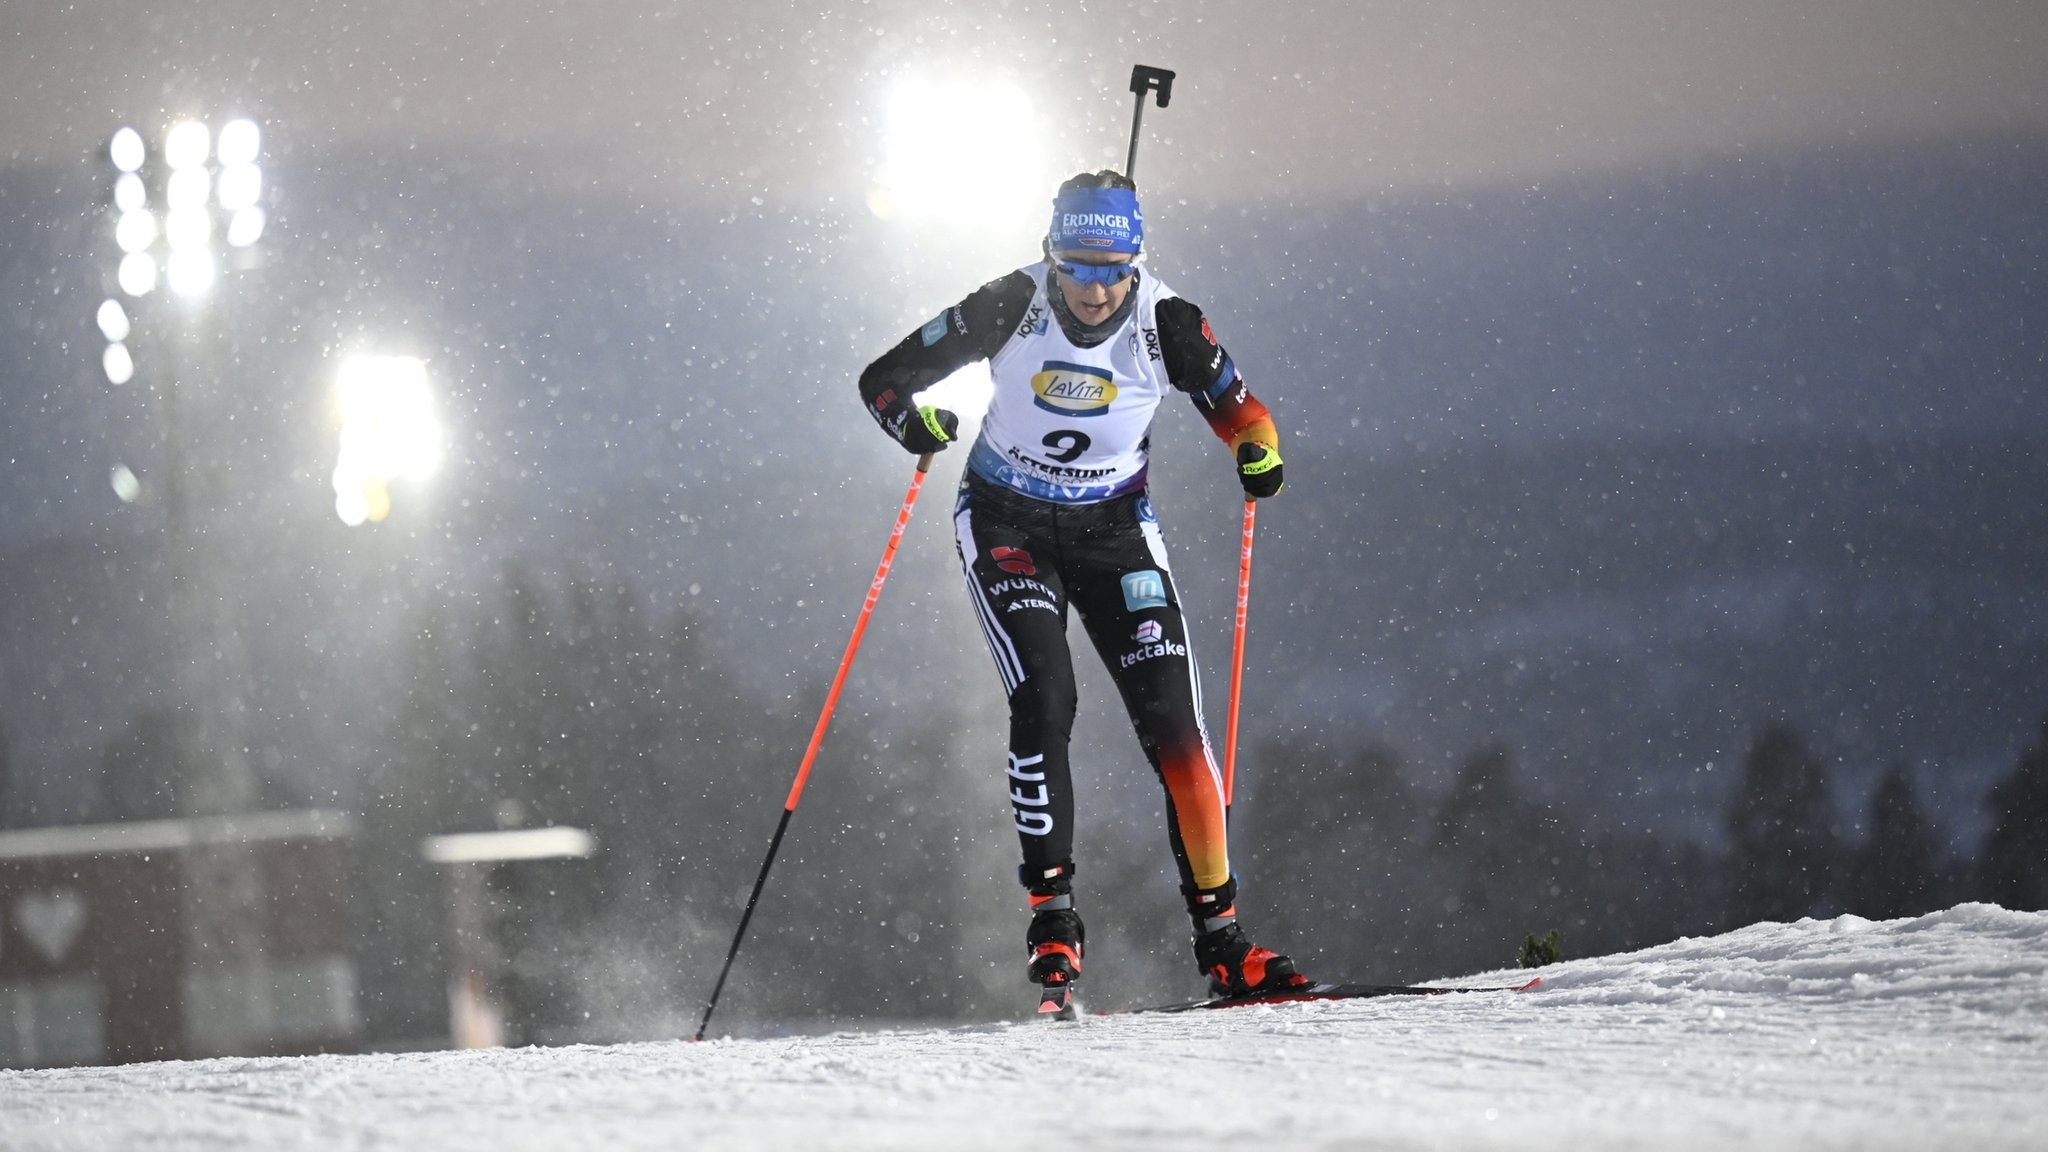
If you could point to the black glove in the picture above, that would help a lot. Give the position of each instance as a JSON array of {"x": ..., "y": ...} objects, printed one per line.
[
  {"x": 927, "y": 429},
  {"x": 1258, "y": 469}
]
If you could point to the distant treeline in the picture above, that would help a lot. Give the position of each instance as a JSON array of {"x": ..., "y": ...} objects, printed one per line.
[
  {"x": 1452, "y": 884},
  {"x": 572, "y": 707}
]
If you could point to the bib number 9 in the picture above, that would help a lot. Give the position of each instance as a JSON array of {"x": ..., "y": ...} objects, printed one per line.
[{"x": 1067, "y": 445}]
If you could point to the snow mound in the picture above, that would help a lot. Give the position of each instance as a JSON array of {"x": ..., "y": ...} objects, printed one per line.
[{"x": 1844, "y": 1033}]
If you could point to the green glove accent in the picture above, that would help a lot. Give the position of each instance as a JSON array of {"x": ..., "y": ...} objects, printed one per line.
[
  {"x": 1258, "y": 469},
  {"x": 931, "y": 431}
]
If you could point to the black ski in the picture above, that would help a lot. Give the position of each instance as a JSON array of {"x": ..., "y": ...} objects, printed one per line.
[{"x": 1314, "y": 992}]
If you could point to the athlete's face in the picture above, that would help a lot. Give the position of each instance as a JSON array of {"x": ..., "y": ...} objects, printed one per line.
[{"x": 1094, "y": 300}]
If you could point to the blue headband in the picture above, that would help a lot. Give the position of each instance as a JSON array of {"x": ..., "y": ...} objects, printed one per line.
[{"x": 1097, "y": 220}]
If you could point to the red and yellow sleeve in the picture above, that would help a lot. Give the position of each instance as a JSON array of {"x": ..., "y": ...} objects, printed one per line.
[{"x": 1238, "y": 418}]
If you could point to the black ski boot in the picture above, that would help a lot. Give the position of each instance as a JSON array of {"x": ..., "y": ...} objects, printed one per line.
[
  {"x": 1055, "y": 942},
  {"x": 1237, "y": 967},
  {"x": 1234, "y": 965}
]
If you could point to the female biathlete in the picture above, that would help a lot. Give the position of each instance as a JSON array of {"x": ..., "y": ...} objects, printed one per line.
[{"x": 1053, "y": 510}]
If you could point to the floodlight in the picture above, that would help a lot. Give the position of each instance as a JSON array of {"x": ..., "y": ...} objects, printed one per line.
[
  {"x": 352, "y": 507},
  {"x": 113, "y": 321},
  {"x": 245, "y": 227},
  {"x": 186, "y": 145},
  {"x": 239, "y": 142},
  {"x": 189, "y": 272},
  {"x": 119, "y": 365},
  {"x": 127, "y": 150},
  {"x": 388, "y": 431},
  {"x": 187, "y": 188},
  {"x": 135, "y": 231},
  {"x": 939, "y": 166},
  {"x": 126, "y": 486},
  {"x": 188, "y": 228},
  {"x": 137, "y": 274},
  {"x": 129, "y": 193},
  {"x": 241, "y": 185}
]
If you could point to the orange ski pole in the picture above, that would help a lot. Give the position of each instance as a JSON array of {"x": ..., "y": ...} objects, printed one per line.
[
  {"x": 1244, "y": 596},
  {"x": 803, "y": 773}
]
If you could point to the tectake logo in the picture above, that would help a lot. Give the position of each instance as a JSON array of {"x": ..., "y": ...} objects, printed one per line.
[
  {"x": 1152, "y": 652},
  {"x": 1149, "y": 632}
]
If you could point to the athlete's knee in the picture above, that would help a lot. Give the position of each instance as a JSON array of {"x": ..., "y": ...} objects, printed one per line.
[{"x": 1041, "y": 705}]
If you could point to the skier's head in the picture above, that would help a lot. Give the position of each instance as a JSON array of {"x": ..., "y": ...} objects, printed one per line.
[
  {"x": 1096, "y": 212},
  {"x": 1093, "y": 245}
]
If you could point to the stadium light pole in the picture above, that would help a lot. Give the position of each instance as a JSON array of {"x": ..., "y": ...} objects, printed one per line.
[{"x": 182, "y": 210}]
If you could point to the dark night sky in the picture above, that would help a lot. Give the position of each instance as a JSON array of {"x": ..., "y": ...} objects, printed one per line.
[
  {"x": 1596, "y": 223},
  {"x": 1307, "y": 100}
]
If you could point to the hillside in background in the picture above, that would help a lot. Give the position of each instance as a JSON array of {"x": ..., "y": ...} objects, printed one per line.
[{"x": 1604, "y": 477}]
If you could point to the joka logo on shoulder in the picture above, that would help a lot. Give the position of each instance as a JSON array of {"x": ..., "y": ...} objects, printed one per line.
[
  {"x": 1144, "y": 590},
  {"x": 1073, "y": 389}
]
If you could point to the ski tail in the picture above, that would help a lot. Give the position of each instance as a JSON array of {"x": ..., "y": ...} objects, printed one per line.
[
  {"x": 1056, "y": 1002},
  {"x": 1316, "y": 992}
]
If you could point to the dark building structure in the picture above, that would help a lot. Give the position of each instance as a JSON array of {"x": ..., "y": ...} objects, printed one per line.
[{"x": 96, "y": 960}]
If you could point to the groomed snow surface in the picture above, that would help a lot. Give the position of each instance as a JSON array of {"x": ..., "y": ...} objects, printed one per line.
[{"x": 1847, "y": 1033}]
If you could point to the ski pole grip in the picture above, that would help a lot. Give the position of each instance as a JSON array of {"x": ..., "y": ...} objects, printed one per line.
[{"x": 924, "y": 462}]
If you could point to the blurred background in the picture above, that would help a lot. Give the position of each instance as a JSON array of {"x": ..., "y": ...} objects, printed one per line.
[{"x": 436, "y": 496}]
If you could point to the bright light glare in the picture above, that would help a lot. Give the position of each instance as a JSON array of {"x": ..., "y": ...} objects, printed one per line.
[
  {"x": 126, "y": 486},
  {"x": 119, "y": 365},
  {"x": 189, "y": 272},
  {"x": 135, "y": 231},
  {"x": 245, "y": 227},
  {"x": 129, "y": 193},
  {"x": 127, "y": 150},
  {"x": 186, "y": 144},
  {"x": 388, "y": 432},
  {"x": 241, "y": 185},
  {"x": 137, "y": 274},
  {"x": 942, "y": 163},
  {"x": 350, "y": 503},
  {"x": 240, "y": 140},
  {"x": 113, "y": 321},
  {"x": 188, "y": 228},
  {"x": 965, "y": 393},
  {"x": 187, "y": 188}
]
